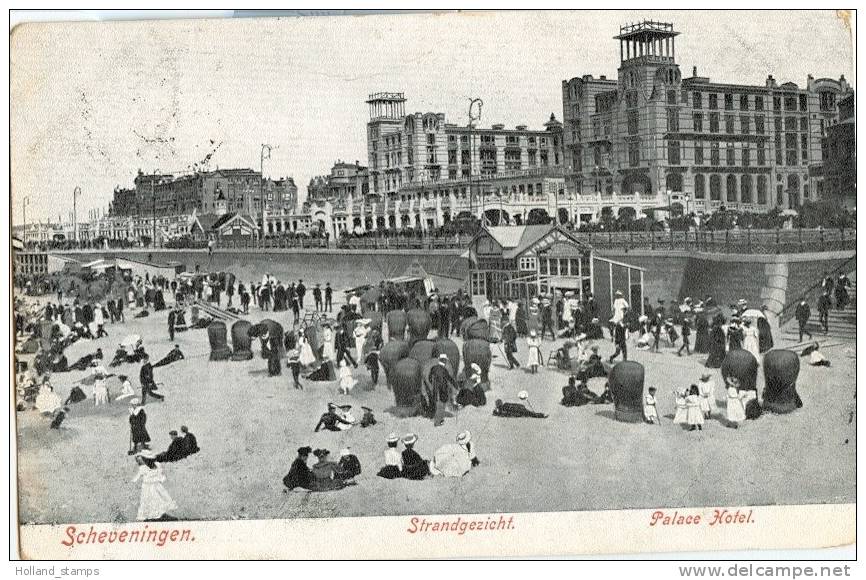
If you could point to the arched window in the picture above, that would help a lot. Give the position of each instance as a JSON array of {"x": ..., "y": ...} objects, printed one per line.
[
  {"x": 674, "y": 182},
  {"x": 731, "y": 188},
  {"x": 762, "y": 189},
  {"x": 700, "y": 186},
  {"x": 715, "y": 188},
  {"x": 793, "y": 190},
  {"x": 746, "y": 188}
]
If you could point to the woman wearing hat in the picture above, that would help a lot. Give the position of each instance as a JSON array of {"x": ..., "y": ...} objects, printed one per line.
[
  {"x": 155, "y": 503},
  {"x": 393, "y": 460},
  {"x": 138, "y": 434},
  {"x": 414, "y": 467},
  {"x": 325, "y": 473},
  {"x": 299, "y": 474},
  {"x": 472, "y": 391},
  {"x": 533, "y": 359}
]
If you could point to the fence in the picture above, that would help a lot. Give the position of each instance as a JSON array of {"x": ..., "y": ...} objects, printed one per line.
[
  {"x": 743, "y": 241},
  {"x": 405, "y": 243}
]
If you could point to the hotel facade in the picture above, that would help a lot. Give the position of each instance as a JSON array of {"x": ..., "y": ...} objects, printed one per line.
[{"x": 653, "y": 132}]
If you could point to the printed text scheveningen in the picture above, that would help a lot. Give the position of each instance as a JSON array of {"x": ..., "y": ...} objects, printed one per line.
[{"x": 74, "y": 536}]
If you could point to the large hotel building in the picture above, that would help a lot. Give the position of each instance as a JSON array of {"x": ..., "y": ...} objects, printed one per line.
[
  {"x": 650, "y": 139},
  {"x": 653, "y": 131}
]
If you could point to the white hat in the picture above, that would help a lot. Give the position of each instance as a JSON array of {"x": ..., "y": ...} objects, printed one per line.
[
  {"x": 643, "y": 318},
  {"x": 464, "y": 437},
  {"x": 409, "y": 438},
  {"x": 443, "y": 357},
  {"x": 618, "y": 293},
  {"x": 475, "y": 367},
  {"x": 135, "y": 401},
  {"x": 392, "y": 438},
  {"x": 581, "y": 336},
  {"x": 522, "y": 395},
  {"x": 532, "y": 333},
  {"x": 345, "y": 452},
  {"x": 147, "y": 454}
]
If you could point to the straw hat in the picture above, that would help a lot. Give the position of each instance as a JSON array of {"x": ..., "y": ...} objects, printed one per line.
[
  {"x": 409, "y": 439},
  {"x": 464, "y": 437},
  {"x": 392, "y": 438},
  {"x": 522, "y": 395}
]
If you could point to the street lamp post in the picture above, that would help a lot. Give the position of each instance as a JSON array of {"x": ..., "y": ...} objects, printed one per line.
[
  {"x": 24, "y": 210},
  {"x": 75, "y": 193},
  {"x": 153, "y": 209},
  {"x": 475, "y": 103},
  {"x": 267, "y": 148}
]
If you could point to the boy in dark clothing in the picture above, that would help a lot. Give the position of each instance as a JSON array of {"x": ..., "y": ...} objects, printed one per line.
[{"x": 686, "y": 332}]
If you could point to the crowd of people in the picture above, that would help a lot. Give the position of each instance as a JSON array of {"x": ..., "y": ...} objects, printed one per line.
[{"x": 319, "y": 346}]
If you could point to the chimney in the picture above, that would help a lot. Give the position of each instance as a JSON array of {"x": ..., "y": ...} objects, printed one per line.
[
  {"x": 694, "y": 71},
  {"x": 771, "y": 82},
  {"x": 603, "y": 77}
]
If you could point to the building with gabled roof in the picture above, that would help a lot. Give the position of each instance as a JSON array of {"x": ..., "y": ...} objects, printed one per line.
[{"x": 522, "y": 262}]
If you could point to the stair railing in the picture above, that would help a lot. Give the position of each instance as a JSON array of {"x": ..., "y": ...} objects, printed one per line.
[{"x": 787, "y": 313}]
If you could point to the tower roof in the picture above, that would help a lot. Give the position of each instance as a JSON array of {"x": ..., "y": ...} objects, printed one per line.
[{"x": 646, "y": 30}]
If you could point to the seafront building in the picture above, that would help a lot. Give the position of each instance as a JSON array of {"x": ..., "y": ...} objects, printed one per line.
[{"x": 648, "y": 140}]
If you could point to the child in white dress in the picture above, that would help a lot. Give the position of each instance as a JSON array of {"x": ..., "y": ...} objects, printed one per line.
[
  {"x": 736, "y": 409},
  {"x": 694, "y": 416},
  {"x": 649, "y": 407},
  {"x": 126, "y": 390},
  {"x": 708, "y": 395},
  {"x": 347, "y": 382},
  {"x": 680, "y": 398}
]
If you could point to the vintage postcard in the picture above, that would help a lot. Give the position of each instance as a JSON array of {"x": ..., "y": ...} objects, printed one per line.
[{"x": 434, "y": 285}]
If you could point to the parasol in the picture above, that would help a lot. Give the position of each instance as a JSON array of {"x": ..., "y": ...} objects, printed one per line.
[
  {"x": 131, "y": 341},
  {"x": 752, "y": 313}
]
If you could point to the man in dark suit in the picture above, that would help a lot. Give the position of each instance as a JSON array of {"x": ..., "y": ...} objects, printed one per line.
[
  {"x": 190, "y": 443},
  {"x": 824, "y": 304},
  {"x": 509, "y": 339},
  {"x": 148, "y": 385},
  {"x": 802, "y": 314},
  {"x": 176, "y": 449},
  {"x": 317, "y": 297},
  {"x": 441, "y": 382},
  {"x": 329, "y": 295},
  {"x": 172, "y": 316},
  {"x": 300, "y": 290},
  {"x": 342, "y": 347},
  {"x": 619, "y": 336}
]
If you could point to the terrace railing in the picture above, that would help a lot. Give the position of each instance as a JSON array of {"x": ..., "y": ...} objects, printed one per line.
[{"x": 741, "y": 241}]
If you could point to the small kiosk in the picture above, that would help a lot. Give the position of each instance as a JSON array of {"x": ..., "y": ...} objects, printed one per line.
[{"x": 520, "y": 262}]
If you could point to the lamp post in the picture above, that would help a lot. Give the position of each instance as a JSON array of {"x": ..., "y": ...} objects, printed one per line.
[
  {"x": 24, "y": 210},
  {"x": 75, "y": 193},
  {"x": 268, "y": 148},
  {"x": 475, "y": 105}
]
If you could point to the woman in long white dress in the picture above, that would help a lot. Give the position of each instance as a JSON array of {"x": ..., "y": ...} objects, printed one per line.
[
  {"x": 47, "y": 401},
  {"x": 307, "y": 356},
  {"x": 533, "y": 359},
  {"x": 750, "y": 339},
  {"x": 155, "y": 503}
]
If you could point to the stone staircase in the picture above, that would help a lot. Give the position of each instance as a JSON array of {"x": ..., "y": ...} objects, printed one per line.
[{"x": 842, "y": 323}]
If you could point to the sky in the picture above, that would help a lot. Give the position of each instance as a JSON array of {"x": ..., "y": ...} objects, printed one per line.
[{"x": 92, "y": 103}]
